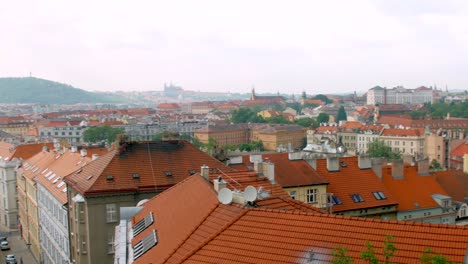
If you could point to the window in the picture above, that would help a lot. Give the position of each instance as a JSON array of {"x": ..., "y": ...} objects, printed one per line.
[
  {"x": 110, "y": 242},
  {"x": 145, "y": 244},
  {"x": 111, "y": 212},
  {"x": 292, "y": 194},
  {"x": 335, "y": 200},
  {"x": 446, "y": 203},
  {"x": 379, "y": 195},
  {"x": 357, "y": 198},
  {"x": 142, "y": 224},
  {"x": 312, "y": 195}
]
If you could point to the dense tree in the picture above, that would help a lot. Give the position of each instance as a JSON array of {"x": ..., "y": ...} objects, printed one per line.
[
  {"x": 341, "y": 115},
  {"x": 378, "y": 149},
  {"x": 102, "y": 133},
  {"x": 246, "y": 115},
  {"x": 323, "y": 98},
  {"x": 435, "y": 165},
  {"x": 323, "y": 118},
  {"x": 304, "y": 95},
  {"x": 306, "y": 122},
  {"x": 279, "y": 119}
]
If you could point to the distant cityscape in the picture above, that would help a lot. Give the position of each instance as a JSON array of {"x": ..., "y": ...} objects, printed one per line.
[{"x": 184, "y": 176}]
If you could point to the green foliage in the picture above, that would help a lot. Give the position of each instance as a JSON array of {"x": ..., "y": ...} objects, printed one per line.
[
  {"x": 323, "y": 98},
  {"x": 388, "y": 249},
  {"x": 166, "y": 135},
  {"x": 429, "y": 257},
  {"x": 378, "y": 149},
  {"x": 341, "y": 114},
  {"x": 304, "y": 95},
  {"x": 369, "y": 254},
  {"x": 323, "y": 118},
  {"x": 279, "y": 119},
  {"x": 246, "y": 115},
  {"x": 417, "y": 114},
  {"x": 435, "y": 165},
  {"x": 340, "y": 257},
  {"x": 306, "y": 122},
  {"x": 296, "y": 106},
  {"x": 440, "y": 110},
  {"x": 102, "y": 133},
  {"x": 34, "y": 90}
]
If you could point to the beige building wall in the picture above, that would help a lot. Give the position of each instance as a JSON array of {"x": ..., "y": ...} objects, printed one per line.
[
  {"x": 406, "y": 145},
  {"x": 465, "y": 163},
  {"x": 223, "y": 138},
  {"x": 300, "y": 194},
  {"x": 435, "y": 149},
  {"x": 28, "y": 217},
  {"x": 271, "y": 141}
]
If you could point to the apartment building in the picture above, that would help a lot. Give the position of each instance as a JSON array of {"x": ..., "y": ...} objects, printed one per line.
[
  {"x": 15, "y": 125},
  {"x": 399, "y": 95},
  {"x": 234, "y": 134},
  {"x": 405, "y": 141},
  {"x": 365, "y": 135},
  {"x": 131, "y": 172}
]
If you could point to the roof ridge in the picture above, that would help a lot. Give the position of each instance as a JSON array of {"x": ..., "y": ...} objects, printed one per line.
[{"x": 201, "y": 245}]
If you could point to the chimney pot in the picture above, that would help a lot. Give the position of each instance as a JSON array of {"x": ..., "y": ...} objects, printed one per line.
[{"x": 205, "y": 172}]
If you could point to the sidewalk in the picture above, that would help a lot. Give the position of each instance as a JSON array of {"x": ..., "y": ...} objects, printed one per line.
[{"x": 18, "y": 247}]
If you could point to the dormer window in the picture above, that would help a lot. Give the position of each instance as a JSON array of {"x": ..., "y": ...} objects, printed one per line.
[{"x": 446, "y": 203}]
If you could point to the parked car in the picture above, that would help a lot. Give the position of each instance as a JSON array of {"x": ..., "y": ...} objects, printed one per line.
[
  {"x": 2, "y": 238},
  {"x": 10, "y": 259},
  {"x": 4, "y": 245}
]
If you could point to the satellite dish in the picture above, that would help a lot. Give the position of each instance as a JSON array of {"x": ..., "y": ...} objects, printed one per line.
[
  {"x": 140, "y": 203},
  {"x": 225, "y": 196},
  {"x": 250, "y": 194}
]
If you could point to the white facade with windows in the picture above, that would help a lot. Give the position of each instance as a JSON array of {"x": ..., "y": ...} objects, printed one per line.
[
  {"x": 399, "y": 95},
  {"x": 53, "y": 231},
  {"x": 8, "y": 194}
]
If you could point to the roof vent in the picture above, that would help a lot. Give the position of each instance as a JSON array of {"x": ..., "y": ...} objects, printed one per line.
[
  {"x": 343, "y": 164},
  {"x": 192, "y": 172},
  {"x": 110, "y": 177},
  {"x": 89, "y": 177},
  {"x": 79, "y": 171},
  {"x": 135, "y": 175},
  {"x": 168, "y": 173}
]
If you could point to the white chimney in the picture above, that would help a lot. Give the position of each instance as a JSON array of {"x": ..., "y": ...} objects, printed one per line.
[
  {"x": 83, "y": 152},
  {"x": 45, "y": 149},
  {"x": 269, "y": 171},
  {"x": 333, "y": 164},
  {"x": 364, "y": 162},
  {"x": 74, "y": 149},
  {"x": 219, "y": 184},
  {"x": 255, "y": 158},
  {"x": 95, "y": 156},
  {"x": 205, "y": 172},
  {"x": 295, "y": 155},
  {"x": 235, "y": 160},
  {"x": 258, "y": 167}
]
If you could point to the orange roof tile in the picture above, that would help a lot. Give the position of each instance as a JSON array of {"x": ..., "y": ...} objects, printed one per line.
[
  {"x": 28, "y": 150},
  {"x": 353, "y": 180},
  {"x": 288, "y": 173},
  {"x": 5, "y": 149},
  {"x": 326, "y": 129},
  {"x": 460, "y": 150},
  {"x": 408, "y": 190},
  {"x": 150, "y": 160},
  {"x": 209, "y": 232},
  {"x": 412, "y": 132},
  {"x": 454, "y": 182}
]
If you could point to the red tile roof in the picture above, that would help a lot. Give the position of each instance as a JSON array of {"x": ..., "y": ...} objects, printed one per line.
[
  {"x": 209, "y": 232},
  {"x": 413, "y": 191},
  {"x": 28, "y": 150},
  {"x": 5, "y": 149},
  {"x": 288, "y": 173},
  {"x": 150, "y": 160},
  {"x": 168, "y": 106},
  {"x": 326, "y": 129},
  {"x": 395, "y": 120},
  {"x": 353, "y": 180},
  {"x": 351, "y": 125},
  {"x": 412, "y": 132},
  {"x": 454, "y": 182},
  {"x": 460, "y": 150}
]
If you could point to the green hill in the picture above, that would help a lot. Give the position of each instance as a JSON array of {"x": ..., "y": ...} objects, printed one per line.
[{"x": 35, "y": 90}]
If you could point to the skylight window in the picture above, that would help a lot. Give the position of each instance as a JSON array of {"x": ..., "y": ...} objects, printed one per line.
[
  {"x": 44, "y": 171},
  {"x": 135, "y": 176},
  {"x": 335, "y": 200},
  {"x": 64, "y": 190},
  {"x": 357, "y": 198},
  {"x": 168, "y": 173},
  {"x": 379, "y": 195},
  {"x": 60, "y": 184},
  {"x": 343, "y": 164},
  {"x": 143, "y": 224},
  {"x": 51, "y": 177},
  {"x": 56, "y": 180},
  {"x": 145, "y": 244}
]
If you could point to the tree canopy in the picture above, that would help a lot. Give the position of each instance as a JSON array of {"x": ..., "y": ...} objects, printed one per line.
[
  {"x": 102, "y": 133},
  {"x": 378, "y": 149},
  {"x": 323, "y": 98},
  {"x": 341, "y": 115},
  {"x": 246, "y": 115},
  {"x": 323, "y": 118}
]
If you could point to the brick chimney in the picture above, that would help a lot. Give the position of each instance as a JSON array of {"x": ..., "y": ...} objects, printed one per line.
[
  {"x": 397, "y": 169},
  {"x": 205, "y": 172},
  {"x": 333, "y": 164},
  {"x": 364, "y": 162},
  {"x": 423, "y": 167}
]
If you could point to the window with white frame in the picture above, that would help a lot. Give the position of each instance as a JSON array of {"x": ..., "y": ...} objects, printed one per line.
[
  {"x": 293, "y": 194},
  {"x": 110, "y": 242},
  {"x": 311, "y": 195},
  {"x": 111, "y": 213}
]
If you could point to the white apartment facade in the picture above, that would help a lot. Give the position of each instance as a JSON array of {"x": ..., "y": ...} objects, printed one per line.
[
  {"x": 405, "y": 141},
  {"x": 8, "y": 193},
  {"x": 399, "y": 95},
  {"x": 365, "y": 135}
]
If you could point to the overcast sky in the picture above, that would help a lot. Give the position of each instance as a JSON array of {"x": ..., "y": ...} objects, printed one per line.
[{"x": 287, "y": 46}]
